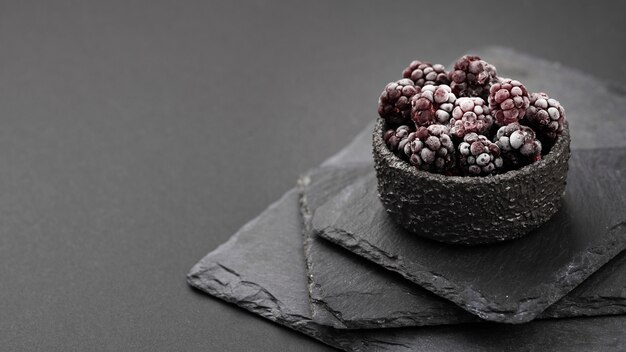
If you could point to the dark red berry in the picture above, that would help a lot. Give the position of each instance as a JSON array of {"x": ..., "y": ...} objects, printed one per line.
[
  {"x": 431, "y": 149},
  {"x": 545, "y": 115},
  {"x": 518, "y": 144},
  {"x": 394, "y": 104},
  {"x": 478, "y": 156},
  {"x": 425, "y": 73},
  {"x": 508, "y": 101},
  {"x": 472, "y": 77},
  {"x": 433, "y": 105},
  {"x": 394, "y": 138},
  {"x": 470, "y": 115}
]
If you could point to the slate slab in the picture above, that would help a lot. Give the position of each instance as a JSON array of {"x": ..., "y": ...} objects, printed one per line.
[
  {"x": 261, "y": 268},
  {"x": 347, "y": 291},
  {"x": 506, "y": 282},
  {"x": 336, "y": 301},
  {"x": 350, "y": 292},
  {"x": 237, "y": 271}
]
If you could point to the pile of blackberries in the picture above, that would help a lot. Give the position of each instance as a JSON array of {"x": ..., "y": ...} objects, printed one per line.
[{"x": 468, "y": 121}]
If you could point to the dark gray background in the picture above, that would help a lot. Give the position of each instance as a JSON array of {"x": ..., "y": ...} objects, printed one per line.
[{"x": 136, "y": 136}]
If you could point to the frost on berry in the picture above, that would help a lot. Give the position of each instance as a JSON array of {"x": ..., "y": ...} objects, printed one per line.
[
  {"x": 472, "y": 77},
  {"x": 444, "y": 122},
  {"x": 431, "y": 149},
  {"x": 545, "y": 115},
  {"x": 508, "y": 101},
  {"x": 470, "y": 115},
  {"x": 396, "y": 138},
  {"x": 433, "y": 105},
  {"x": 425, "y": 73},
  {"x": 518, "y": 144},
  {"x": 478, "y": 156},
  {"x": 394, "y": 104}
]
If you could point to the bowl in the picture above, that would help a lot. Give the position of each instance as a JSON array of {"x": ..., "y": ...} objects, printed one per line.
[{"x": 471, "y": 210}]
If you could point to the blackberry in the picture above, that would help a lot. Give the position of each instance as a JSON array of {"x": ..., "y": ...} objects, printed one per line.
[
  {"x": 518, "y": 144},
  {"x": 478, "y": 156},
  {"x": 470, "y": 115},
  {"x": 431, "y": 149},
  {"x": 393, "y": 138},
  {"x": 508, "y": 101},
  {"x": 394, "y": 104},
  {"x": 432, "y": 105},
  {"x": 425, "y": 73},
  {"x": 472, "y": 77},
  {"x": 545, "y": 115}
]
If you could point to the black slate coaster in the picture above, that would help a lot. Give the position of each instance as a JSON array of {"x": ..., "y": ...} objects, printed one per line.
[
  {"x": 350, "y": 292},
  {"x": 237, "y": 271},
  {"x": 512, "y": 281},
  {"x": 375, "y": 299},
  {"x": 261, "y": 268},
  {"x": 347, "y": 291}
]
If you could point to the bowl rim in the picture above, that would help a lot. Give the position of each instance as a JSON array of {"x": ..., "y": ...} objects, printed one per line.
[{"x": 393, "y": 161}]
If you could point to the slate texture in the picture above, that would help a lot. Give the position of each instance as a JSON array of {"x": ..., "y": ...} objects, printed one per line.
[
  {"x": 261, "y": 268},
  {"x": 350, "y": 292},
  {"x": 347, "y": 291},
  {"x": 509, "y": 282},
  {"x": 572, "y": 88}
]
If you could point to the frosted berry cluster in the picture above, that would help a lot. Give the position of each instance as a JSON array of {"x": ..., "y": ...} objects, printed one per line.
[
  {"x": 432, "y": 105},
  {"x": 472, "y": 77},
  {"x": 467, "y": 121},
  {"x": 431, "y": 149}
]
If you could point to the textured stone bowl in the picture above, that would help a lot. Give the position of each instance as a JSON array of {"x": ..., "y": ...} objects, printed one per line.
[{"x": 471, "y": 210}]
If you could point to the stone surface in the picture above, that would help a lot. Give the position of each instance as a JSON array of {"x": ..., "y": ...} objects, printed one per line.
[
  {"x": 347, "y": 291},
  {"x": 269, "y": 280},
  {"x": 261, "y": 269},
  {"x": 602, "y": 293},
  {"x": 511, "y": 281},
  {"x": 471, "y": 210},
  {"x": 350, "y": 292}
]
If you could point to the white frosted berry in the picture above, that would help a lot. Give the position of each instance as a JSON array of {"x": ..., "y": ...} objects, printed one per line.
[
  {"x": 545, "y": 115},
  {"x": 470, "y": 115},
  {"x": 427, "y": 155},
  {"x": 478, "y": 156},
  {"x": 483, "y": 159},
  {"x": 508, "y": 101},
  {"x": 471, "y": 77},
  {"x": 431, "y": 149},
  {"x": 519, "y": 145},
  {"x": 394, "y": 103},
  {"x": 516, "y": 139},
  {"x": 425, "y": 73},
  {"x": 433, "y": 105}
]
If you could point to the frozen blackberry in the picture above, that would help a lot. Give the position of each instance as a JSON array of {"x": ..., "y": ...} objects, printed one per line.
[
  {"x": 394, "y": 104},
  {"x": 470, "y": 115},
  {"x": 478, "y": 156},
  {"x": 508, "y": 101},
  {"x": 472, "y": 77},
  {"x": 425, "y": 73},
  {"x": 433, "y": 105},
  {"x": 518, "y": 144},
  {"x": 393, "y": 138},
  {"x": 431, "y": 149},
  {"x": 545, "y": 115}
]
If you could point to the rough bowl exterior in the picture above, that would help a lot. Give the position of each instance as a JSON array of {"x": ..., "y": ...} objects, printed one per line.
[{"x": 471, "y": 210}]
